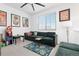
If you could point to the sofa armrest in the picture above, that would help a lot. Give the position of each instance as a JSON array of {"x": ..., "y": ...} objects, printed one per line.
[
  {"x": 66, "y": 52},
  {"x": 25, "y": 36},
  {"x": 69, "y": 46}
]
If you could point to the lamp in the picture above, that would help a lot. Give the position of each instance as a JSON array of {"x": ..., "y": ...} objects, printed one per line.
[{"x": 67, "y": 25}]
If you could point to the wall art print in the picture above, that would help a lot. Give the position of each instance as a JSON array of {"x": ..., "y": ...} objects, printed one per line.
[
  {"x": 64, "y": 15},
  {"x": 25, "y": 22},
  {"x": 3, "y": 18},
  {"x": 15, "y": 20}
]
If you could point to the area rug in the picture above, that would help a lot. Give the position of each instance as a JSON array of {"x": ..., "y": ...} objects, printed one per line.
[{"x": 43, "y": 50}]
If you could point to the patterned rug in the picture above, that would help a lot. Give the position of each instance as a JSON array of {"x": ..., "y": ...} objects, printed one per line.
[{"x": 43, "y": 50}]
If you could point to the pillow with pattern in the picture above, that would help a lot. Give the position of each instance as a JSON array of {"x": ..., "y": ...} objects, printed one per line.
[{"x": 29, "y": 34}]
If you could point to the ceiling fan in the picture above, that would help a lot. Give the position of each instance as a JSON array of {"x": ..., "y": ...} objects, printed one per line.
[{"x": 32, "y": 4}]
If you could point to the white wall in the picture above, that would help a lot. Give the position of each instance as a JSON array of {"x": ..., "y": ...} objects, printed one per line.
[
  {"x": 60, "y": 29},
  {"x": 16, "y": 30}
]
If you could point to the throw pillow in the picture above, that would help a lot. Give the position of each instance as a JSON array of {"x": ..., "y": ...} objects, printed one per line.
[
  {"x": 35, "y": 33},
  {"x": 29, "y": 34}
]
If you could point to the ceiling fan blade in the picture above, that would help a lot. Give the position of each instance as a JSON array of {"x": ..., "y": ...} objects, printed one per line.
[
  {"x": 23, "y": 5},
  {"x": 40, "y": 4},
  {"x": 33, "y": 7}
]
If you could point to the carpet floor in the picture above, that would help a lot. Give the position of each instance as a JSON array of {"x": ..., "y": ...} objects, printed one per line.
[{"x": 41, "y": 49}]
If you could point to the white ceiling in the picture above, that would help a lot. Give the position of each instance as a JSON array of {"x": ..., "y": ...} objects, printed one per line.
[{"x": 28, "y": 7}]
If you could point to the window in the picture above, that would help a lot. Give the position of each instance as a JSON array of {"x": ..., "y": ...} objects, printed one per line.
[{"x": 47, "y": 22}]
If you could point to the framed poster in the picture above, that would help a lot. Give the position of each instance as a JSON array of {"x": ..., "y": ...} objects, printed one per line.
[
  {"x": 3, "y": 18},
  {"x": 25, "y": 22},
  {"x": 64, "y": 15},
  {"x": 15, "y": 20}
]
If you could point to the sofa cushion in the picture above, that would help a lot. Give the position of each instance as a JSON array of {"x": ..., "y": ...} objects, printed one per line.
[
  {"x": 41, "y": 34},
  {"x": 51, "y": 34},
  {"x": 47, "y": 38},
  {"x": 66, "y": 52},
  {"x": 69, "y": 46}
]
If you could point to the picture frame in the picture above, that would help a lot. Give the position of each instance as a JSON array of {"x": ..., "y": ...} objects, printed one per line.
[
  {"x": 25, "y": 22},
  {"x": 3, "y": 18},
  {"x": 64, "y": 15},
  {"x": 15, "y": 20}
]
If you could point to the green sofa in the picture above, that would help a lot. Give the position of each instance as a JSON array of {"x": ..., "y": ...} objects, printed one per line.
[
  {"x": 48, "y": 38},
  {"x": 67, "y": 49}
]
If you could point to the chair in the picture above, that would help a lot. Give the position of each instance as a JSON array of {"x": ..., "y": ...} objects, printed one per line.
[
  {"x": 8, "y": 35},
  {"x": 2, "y": 41}
]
